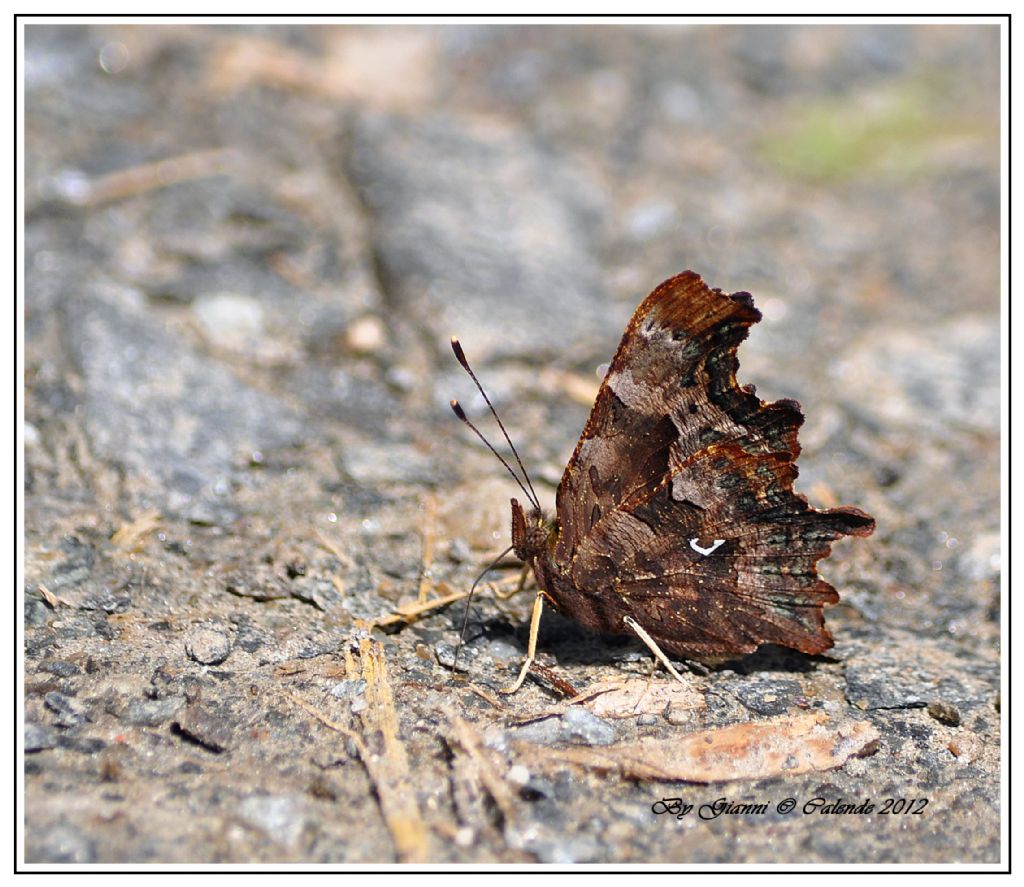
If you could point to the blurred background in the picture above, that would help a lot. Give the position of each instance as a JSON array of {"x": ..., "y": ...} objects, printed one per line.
[{"x": 247, "y": 247}]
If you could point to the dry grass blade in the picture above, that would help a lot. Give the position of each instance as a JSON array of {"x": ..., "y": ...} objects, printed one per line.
[
  {"x": 331, "y": 546},
  {"x": 429, "y": 537},
  {"x": 151, "y": 176},
  {"x": 130, "y": 537},
  {"x": 482, "y": 768},
  {"x": 389, "y": 769},
  {"x": 408, "y": 612},
  {"x": 489, "y": 698},
  {"x": 51, "y": 600}
]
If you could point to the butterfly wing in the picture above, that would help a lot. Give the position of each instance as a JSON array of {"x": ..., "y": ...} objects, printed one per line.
[{"x": 679, "y": 496}]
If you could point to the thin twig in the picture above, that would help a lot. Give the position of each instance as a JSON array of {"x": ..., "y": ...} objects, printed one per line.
[
  {"x": 408, "y": 612},
  {"x": 151, "y": 176},
  {"x": 429, "y": 536}
]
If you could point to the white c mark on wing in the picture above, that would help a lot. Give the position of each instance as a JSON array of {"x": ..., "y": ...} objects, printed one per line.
[{"x": 695, "y": 545}]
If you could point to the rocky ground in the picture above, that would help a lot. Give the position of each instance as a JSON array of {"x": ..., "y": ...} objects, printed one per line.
[{"x": 245, "y": 251}]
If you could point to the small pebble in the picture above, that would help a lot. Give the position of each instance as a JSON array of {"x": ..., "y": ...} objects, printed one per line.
[
  {"x": 505, "y": 651},
  {"x": 152, "y": 712},
  {"x": 205, "y": 726},
  {"x": 349, "y": 689},
  {"x": 458, "y": 550},
  {"x": 38, "y": 738},
  {"x": 228, "y": 319},
  {"x": 69, "y": 712},
  {"x": 519, "y": 775},
  {"x": 944, "y": 713},
  {"x": 445, "y": 654},
  {"x": 280, "y": 817},
  {"x": 207, "y": 644},
  {"x": 587, "y": 726},
  {"x": 365, "y": 335},
  {"x": 59, "y": 667}
]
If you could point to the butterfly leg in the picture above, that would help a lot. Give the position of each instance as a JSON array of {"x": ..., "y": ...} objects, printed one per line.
[
  {"x": 519, "y": 587},
  {"x": 531, "y": 647},
  {"x": 653, "y": 647}
]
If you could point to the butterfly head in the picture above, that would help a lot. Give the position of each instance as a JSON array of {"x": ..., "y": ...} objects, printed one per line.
[{"x": 532, "y": 533}]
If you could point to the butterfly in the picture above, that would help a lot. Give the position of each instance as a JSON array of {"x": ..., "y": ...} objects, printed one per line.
[{"x": 676, "y": 517}]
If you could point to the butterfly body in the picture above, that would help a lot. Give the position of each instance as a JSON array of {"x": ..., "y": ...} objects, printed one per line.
[
  {"x": 534, "y": 540},
  {"x": 677, "y": 508}
]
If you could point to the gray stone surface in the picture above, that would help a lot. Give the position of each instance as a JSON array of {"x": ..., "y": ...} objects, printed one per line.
[
  {"x": 577, "y": 726},
  {"x": 160, "y": 410},
  {"x": 245, "y": 251},
  {"x": 457, "y": 234}
]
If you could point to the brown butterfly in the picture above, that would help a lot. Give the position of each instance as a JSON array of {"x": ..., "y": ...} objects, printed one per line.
[{"x": 676, "y": 517}]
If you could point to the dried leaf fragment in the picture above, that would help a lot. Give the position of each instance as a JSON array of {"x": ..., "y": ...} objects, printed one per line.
[
  {"x": 785, "y": 746},
  {"x": 627, "y": 699}
]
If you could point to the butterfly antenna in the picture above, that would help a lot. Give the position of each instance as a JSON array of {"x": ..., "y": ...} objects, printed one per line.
[
  {"x": 460, "y": 356},
  {"x": 457, "y": 409},
  {"x": 469, "y": 601}
]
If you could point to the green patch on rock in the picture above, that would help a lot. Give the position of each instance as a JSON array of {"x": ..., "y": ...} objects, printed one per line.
[{"x": 907, "y": 130}]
